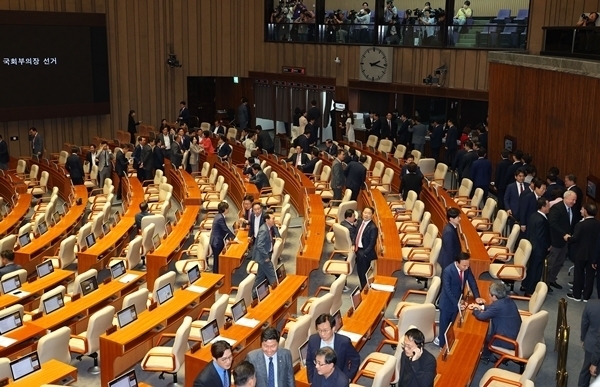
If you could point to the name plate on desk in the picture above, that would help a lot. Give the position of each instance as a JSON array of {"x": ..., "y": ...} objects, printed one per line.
[
  {"x": 110, "y": 330},
  {"x": 192, "y": 201},
  {"x": 107, "y": 280},
  {"x": 152, "y": 306},
  {"x": 76, "y": 297},
  {"x": 4, "y": 382},
  {"x": 196, "y": 347}
]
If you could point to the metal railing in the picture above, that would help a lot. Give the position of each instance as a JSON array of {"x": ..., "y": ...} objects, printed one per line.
[
  {"x": 561, "y": 344},
  {"x": 578, "y": 42}
]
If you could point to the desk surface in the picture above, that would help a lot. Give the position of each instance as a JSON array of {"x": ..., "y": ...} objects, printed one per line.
[
  {"x": 51, "y": 372},
  {"x": 309, "y": 258},
  {"x": 26, "y": 340},
  {"x": 37, "y": 287},
  {"x": 13, "y": 219}
]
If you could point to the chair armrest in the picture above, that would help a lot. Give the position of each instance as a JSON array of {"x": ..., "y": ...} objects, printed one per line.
[
  {"x": 497, "y": 256},
  {"x": 204, "y": 311},
  {"x": 170, "y": 355},
  {"x": 506, "y": 340},
  {"x": 519, "y": 268},
  {"x": 412, "y": 237},
  {"x": 413, "y": 291},
  {"x": 322, "y": 289},
  {"x": 163, "y": 336},
  {"x": 430, "y": 266},
  {"x": 502, "y": 381},
  {"x": 386, "y": 341},
  {"x": 387, "y": 323},
  {"x": 265, "y": 190},
  {"x": 85, "y": 342}
]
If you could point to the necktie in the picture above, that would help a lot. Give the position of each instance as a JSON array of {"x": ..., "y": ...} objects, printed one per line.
[
  {"x": 105, "y": 158},
  {"x": 462, "y": 278},
  {"x": 570, "y": 214},
  {"x": 359, "y": 236},
  {"x": 272, "y": 234},
  {"x": 271, "y": 376},
  {"x": 520, "y": 188},
  {"x": 225, "y": 379}
]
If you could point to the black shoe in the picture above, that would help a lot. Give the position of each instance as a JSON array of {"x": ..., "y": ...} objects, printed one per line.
[
  {"x": 550, "y": 289},
  {"x": 555, "y": 285},
  {"x": 570, "y": 283},
  {"x": 570, "y": 296}
]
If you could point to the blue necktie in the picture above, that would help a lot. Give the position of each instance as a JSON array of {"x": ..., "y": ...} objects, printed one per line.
[
  {"x": 225, "y": 379},
  {"x": 570, "y": 215},
  {"x": 271, "y": 376}
]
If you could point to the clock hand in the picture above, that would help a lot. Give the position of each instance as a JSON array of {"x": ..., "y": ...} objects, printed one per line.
[
  {"x": 374, "y": 63},
  {"x": 380, "y": 66}
]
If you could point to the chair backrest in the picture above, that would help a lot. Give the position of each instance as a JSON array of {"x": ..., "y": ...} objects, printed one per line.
[
  {"x": 420, "y": 315},
  {"x": 503, "y": 13},
  {"x": 60, "y": 289},
  {"x": 388, "y": 176},
  {"x": 212, "y": 178},
  {"x": 82, "y": 277},
  {"x": 477, "y": 198},
  {"x": 434, "y": 289},
  {"x": 12, "y": 309},
  {"x": 336, "y": 289},
  {"x": 98, "y": 323},
  {"x": 510, "y": 28},
  {"x": 534, "y": 363},
  {"x": 297, "y": 335},
  {"x": 400, "y": 151},
  {"x": 325, "y": 174},
  {"x": 8, "y": 242},
  {"x": 488, "y": 208},
  {"x": 417, "y": 211},
  {"x": 538, "y": 297},
  {"x": 522, "y": 254},
  {"x": 425, "y": 222},
  {"x": 372, "y": 140},
  {"x": 411, "y": 198},
  {"x": 434, "y": 254},
  {"x": 180, "y": 346},
  {"x": 347, "y": 195},
  {"x": 245, "y": 289},
  {"x": 417, "y": 155},
  {"x": 383, "y": 376},
  {"x": 500, "y": 221},
  {"x": 466, "y": 186},
  {"x": 24, "y": 229},
  {"x": 430, "y": 235},
  {"x": 318, "y": 168},
  {"x": 158, "y": 221},
  {"x": 83, "y": 232},
  {"x": 66, "y": 252},
  {"x": 427, "y": 166},
  {"x": 531, "y": 333},
  {"x": 147, "y": 234},
  {"x": 94, "y": 174},
  {"x": 385, "y": 146},
  {"x": 342, "y": 240},
  {"x": 440, "y": 171},
  {"x": 21, "y": 273},
  {"x": 164, "y": 190},
  {"x": 134, "y": 252},
  {"x": 139, "y": 298},
  {"x": 167, "y": 278},
  {"x": 44, "y": 179},
  {"x": 33, "y": 172},
  {"x": 21, "y": 166},
  {"x": 217, "y": 310},
  {"x": 348, "y": 205},
  {"x": 158, "y": 176},
  {"x": 232, "y": 134},
  {"x": 319, "y": 306},
  {"x": 378, "y": 169},
  {"x": 205, "y": 169},
  {"x": 367, "y": 163},
  {"x": 97, "y": 222},
  {"x": 55, "y": 345}
]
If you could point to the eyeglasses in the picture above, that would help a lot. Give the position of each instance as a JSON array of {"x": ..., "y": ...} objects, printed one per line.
[
  {"x": 409, "y": 347},
  {"x": 317, "y": 364},
  {"x": 324, "y": 330},
  {"x": 226, "y": 358}
]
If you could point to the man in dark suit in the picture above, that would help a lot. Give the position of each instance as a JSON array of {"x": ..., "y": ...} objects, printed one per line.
[
  {"x": 262, "y": 252},
  {"x": 74, "y": 166},
  {"x": 538, "y": 234},
  {"x": 454, "y": 277},
  {"x": 219, "y": 128},
  {"x": 260, "y": 180},
  {"x": 328, "y": 372},
  {"x": 481, "y": 173},
  {"x": 140, "y": 215},
  {"x": 583, "y": 243},
  {"x": 184, "y": 114},
  {"x": 331, "y": 148},
  {"x": 219, "y": 232},
  {"x": 551, "y": 185},
  {"x": 402, "y": 135},
  {"x": 411, "y": 181},
  {"x": 243, "y": 112},
  {"x": 176, "y": 152},
  {"x": 513, "y": 192},
  {"x": 364, "y": 245},
  {"x": 184, "y": 139},
  {"x": 451, "y": 139},
  {"x": 389, "y": 127},
  {"x": 121, "y": 166},
  {"x": 244, "y": 374},
  {"x": 299, "y": 158},
  {"x": 158, "y": 157},
  {"x": 265, "y": 358},
  {"x": 376, "y": 125},
  {"x": 348, "y": 359},
  {"x": 264, "y": 140},
  {"x": 417, "y": 365},
  {"x": 528, "y": 200},
  {"x": 147, "y": 160},
  {"x": 218, "y": 372},
  {"x": 516, "y": 165},
  {"x": 166, "y": 142},
  {"x": 137, "y": 159},
  {"x": 503, "y": 315},
  {"x": 4, "y": 156},
  {"x": 464, "y": 168},
  {"x": 435, "y": 139},
  {"x": 570, "y": 185},
  {"x": 309, "y": 167},
  {"x": 255, "y": 221},
  {"x": 91, "y": 156},
  {"x": 314, "y": 113},
  {"x": 590, "y": 328},
  {"x": 450, "y": 239},
  {"x": 223, "y": 148},
  {"x": 311, "y": 135},
  {"x": 499, "y": 180},
  {"x": 7, "y": 258},
  {"x": 37, "y": 142},
  {"x": 562, "y": 219},
  {"x": 356, "y": 174},
  {"x": 338, "y": 180}
]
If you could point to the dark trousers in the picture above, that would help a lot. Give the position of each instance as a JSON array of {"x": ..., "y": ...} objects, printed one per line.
[
  {"x": 265, "y": 271},
  {"x": 355, "y": 192},
  {"x": 535, "y": 269},
  {"x": 583, "y": 279},
  {"x": 362, "y": 265},
  {"x": 337, "y": 194},
  {"x": 450, "y": 154},
  {"x": 501, "y": 192},
  {"x": 556, "y": 260},
  {"x": 141, "y": 175},
  {"x": 120, "y": 188},
  {"x": 216, "y": 249},
  {"x": 435, "y": 153},
  {"x": 446, "y": 318},
  {"x": 77, "y": 180},
  {"x": 584, "y": 374}
]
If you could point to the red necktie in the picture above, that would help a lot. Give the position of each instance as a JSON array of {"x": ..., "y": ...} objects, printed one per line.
[
  {"x": 359, "y": 235},
  {"x": 462, "y": 279}
]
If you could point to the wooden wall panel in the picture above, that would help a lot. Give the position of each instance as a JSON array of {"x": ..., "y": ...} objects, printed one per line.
[{"x": 549, "y": 116}]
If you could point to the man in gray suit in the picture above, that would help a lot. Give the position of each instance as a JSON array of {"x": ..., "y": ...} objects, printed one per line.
[
  {"x": 263, "y": 249},
  {"x": 243, "y": 113},
  {"x": 104, "y": 162},
  {"x": 338, "y": 180},
  {"x": 176, "y": 152},
  {"x": 273, "y": 365},
  {"x": 419, "y": 132},
  {"x": 590, "y": 328},
  {"x": 37, "y": 142}
]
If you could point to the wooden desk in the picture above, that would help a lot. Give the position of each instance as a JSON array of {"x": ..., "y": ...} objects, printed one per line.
[
  {"x": 309, "y": 258},
  {"x": 27, "y": 337},
  {"x": 52, "y": 372},
  {"x": 75, "y": 314},
  {"x": 11, "y": 222},
  {"x": 270, "y": 311},
  {"x": 126, "y": 347},
  {"x": 98, "y": 256},
  {"x": 233, "y": 258},
  {"x": 37, "y": 288}
]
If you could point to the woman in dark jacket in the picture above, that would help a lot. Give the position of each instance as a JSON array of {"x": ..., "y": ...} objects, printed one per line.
[{"x": 132, "y": 123}]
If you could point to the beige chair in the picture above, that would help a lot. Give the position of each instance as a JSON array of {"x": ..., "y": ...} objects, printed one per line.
[
  {"x": 88, "y": 343},
  {"x": 439, "y": 175},
  {"x": 60, "y": 289},
  {"x": 427, "y": 167},
  {"x": 339, "y": 267},
  {"x": 316, "y": 175},
  {"x": 323, "y": 185},
  {"x": 319, "y": 306},
  {"x": 167, "y": 278},
  {"x": 296, "y": 336},
  {"x": 5, "y": 372},
  {"x": 139, "y": 299},
  {"x": 20, "y": 273},
  {"x": 32, "y": 179},
  {"x": 66, "y": 253},
  {"x": 381, "y": 368},
  {"x": 206, "y": 183},
  {"x": 8, "y": 242},
  {"x": 100, "y": 195},
  {"x": 21, "y": 169},
  {"x": 97, "y": 222},
  {"x": 153, "y": 185},
  {"x": 332, "y": 209},
  {"x": 430, "y": 295},
  {"x": 244, "y": 290},
  {"x": 482, "y": 220},
  {"x": 216, "y": 312},
  {"x": 536, "y": 301},
  {"x": 494, "y": 237},
  {"x": 342, "y": 244},
  {"x": 161, "y": 196},
  {"x": 200, "y": 250},
  {"x": 337, "y": 216},
  {"x": 84, "y": 231},
  {"x": 41, "y": 187},
  {"x": 424, "y": 270},
  {"x": 372, "y": 141},
  {"x": 232, "y": 134},
  {"x": 517, "y": 271},
  {"x": 159, "y": 222},
  {"x": 472, "y": 208},
  {"x": 421, "y": 316},
  {"x": 399, "y": 154},
  {"x": 274, "y": 194},
  {"x": 402, "y": 208},
  {"x": 376, "y": 174},
  {"x": 336, "y": 289},
  {"x": 414, "y": 217},
  {"x": 212, "y": 200},
  {"x": 91, "y": 181},
  {"x": 530, "y": 334},
  {"x": 385, "y": 146},
  {"x": 412, "y": 234},
  {"x": 386, "y": 182},
  {"x": 500, "y": 377},
  {"x": 78, "y": 280},
  {"x": 499, "y": 253},
  {"x": 147, "y": 243},
  {"x": 463, "y": 193},
  {"x": 55, "y": 345},
  {"x": 169, "y": 359},
  {"x": 44, "y": 201},
  {"x": 213, "y": 190},
  {"x": 417, "y": 155},
  {"x": 422, "y": 250},
  {"x": 252, "y": 267},
  {"x": 133, "y": 256}
]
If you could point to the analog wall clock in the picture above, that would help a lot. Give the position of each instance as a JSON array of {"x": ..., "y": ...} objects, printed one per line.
[{"x": 376, "y": 64}]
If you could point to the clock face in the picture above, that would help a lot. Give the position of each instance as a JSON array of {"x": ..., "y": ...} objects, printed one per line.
[{"x": 374, "y": 64}]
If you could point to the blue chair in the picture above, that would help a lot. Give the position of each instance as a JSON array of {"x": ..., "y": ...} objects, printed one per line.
[
  {"x": 503, "y": 15},
  {"x": 522, "y": 16},
  {"x": 509, "y": 37},
  {"x": 488, "y": 37},
  {"x": 523, "y": 39}
]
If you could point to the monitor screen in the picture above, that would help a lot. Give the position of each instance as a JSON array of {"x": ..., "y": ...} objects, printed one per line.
[
  {"x": 117, "y": 217},
  {"x": 90, "y": 240},
  {"x": 238, "y": 310},
  {"x": 280, "y": 272},
  {"x": 339, "y": 323},
  {"x": 303, "y": 350},
  {"x": 156, "y": 241},
  {"x": 24, "y": 239},
  {"x": 24, "y": 366},
  {"x": 10, "y": 284},
  {"x": 88, "y": 285},
  {"x": 193, "y": 274},
  {"x": 105, "y": 228},
  {"x": 10, "y": 322},
  {"x": 44, "y": 268},
  {"x": 340, "y": 107},
  {"x": 262, "y": 290},
  {"x": 356, "y": 297},
  {"x": 168, "y": 228},
  {"x": 42, "y": 228},
  {"x": 118, "y": 269},
  {"x": 209, "y": 332},
  {"x": 164, "y": 294},
  {"x": 126, "y": 316},
  {"x": 126, "y": 380},
  {"x": 53, "y": 303},
  {"x": 450, "y": 337},
  {"x": 56, "y": 217}
]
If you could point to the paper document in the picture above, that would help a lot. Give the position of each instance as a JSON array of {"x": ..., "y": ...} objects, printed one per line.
[
  {"x": 127, "y": 278},
  {"x": 196, "y": 289},
  {"x": 354, "y": 337},
  {"x": 247, "y": 322},
  {"x": 6, "y": 341},
  {"x": 230, "y": 341},
  {"x": 383, "y": 288}
]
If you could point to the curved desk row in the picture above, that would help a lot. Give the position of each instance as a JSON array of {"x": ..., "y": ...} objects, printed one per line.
[{"x": 11, "y": 222}]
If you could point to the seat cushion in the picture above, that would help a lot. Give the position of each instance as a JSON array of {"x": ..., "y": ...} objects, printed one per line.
[
  {"x": 417, "y": 269},
  {"x": 195, "y": 331},
  {"x": 329, "y": 237},
  {"x": 333, "y": 266},
  {"x": 157, "y": 359}
]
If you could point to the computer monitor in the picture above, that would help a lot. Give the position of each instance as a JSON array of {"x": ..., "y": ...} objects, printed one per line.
[
  {"x": 168, "y": 228},
  {"x": 128, "y": 379},
  {"x": 156, "y": 241},
  {"x": 126, "y": 316},
  {"x": 24, "y": 239},
  {"x": 117, "y": 217},
  {"x": 105, "y": 228},
  {"x": 44, "y": 268},
  {"x": 369, "y": 276},
  {"x": 89, "y": 285},
  {"x": 193, "y": 274},
  {"x": 238, "y": 310},
  {"x": 262, "y": 290},
  {"x": 356, "y": 297},
  {"x": 10, "y": 322},
  {"x": 450, "y": 337},
  {"x": 53, "y": 303},
  {"x": 24, "y": 366},
  {"x": 65, "y": 207},
  {"x": 42, "y": 228},
  {"x": 56, "y": 217},
  {"x": 209, "y": 332},
  {"x": 339, "y": 323},
  {"x": 460, "y": 312},
  {"x": 164, "y": 294},
  {"x": 90, "y": 240},
  {"x": 10, "y": 284},
  {"x": 118, "y": 269},
  {"x": 280, "y": 273},
  {"x": 303, "y": 350}
]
